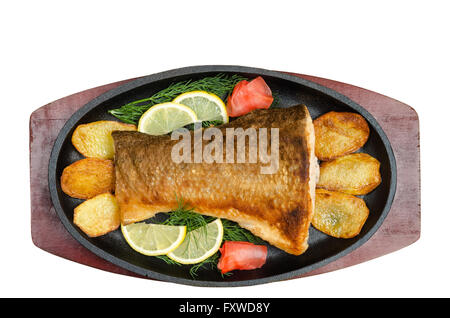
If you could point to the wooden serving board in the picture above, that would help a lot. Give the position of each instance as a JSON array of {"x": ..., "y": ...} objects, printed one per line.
[{"x": 401, "y": 227}]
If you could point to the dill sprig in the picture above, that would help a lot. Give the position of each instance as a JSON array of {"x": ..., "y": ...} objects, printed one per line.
[
  {"x": 220, "y": 84},
  {"x": 168, "y": 260},
  {"x": 210, "y": 261},
  {"x": 211, "y": 123},
  {"x": 233, "y": 232},
  {"x": 185, "y": 215}
]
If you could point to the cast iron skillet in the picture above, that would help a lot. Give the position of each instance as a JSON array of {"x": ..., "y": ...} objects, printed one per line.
[{"x": 291, "y": 91}]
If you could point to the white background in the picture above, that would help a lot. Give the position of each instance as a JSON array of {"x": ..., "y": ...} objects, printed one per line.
[{"x": 50, "y": 49}]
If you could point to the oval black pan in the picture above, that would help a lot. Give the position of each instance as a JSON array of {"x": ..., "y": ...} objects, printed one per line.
[{"x": 291, "y": 91}]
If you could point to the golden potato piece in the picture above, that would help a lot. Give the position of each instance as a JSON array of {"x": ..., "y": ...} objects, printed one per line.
[
  {"x": 357, "y": 174},
  {"x": 97, "y": 216},
  {"x": 88, "y": 177},
  {"x": 94, "y": 139},
  {"x": 338, "y": 214},
  {"x": 339, "y": 134}
]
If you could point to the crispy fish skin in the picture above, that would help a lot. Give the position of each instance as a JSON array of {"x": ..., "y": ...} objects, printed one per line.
[
  {"x": 276, "y": 207},
  {"x": 339, "y": 133},
  {"x": 338, "y": 214},
  {"x": 356, "y": 174}
]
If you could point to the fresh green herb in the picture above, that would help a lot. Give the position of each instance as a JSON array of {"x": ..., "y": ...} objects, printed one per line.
[
  {"x": 276, "y": 99},
  {"x": 168, "y": 260},
  {"x": 205, "y": 124},
  {"x": 211, "y": 123},
  {"x": 233, "y": 232},
  {"x": 221, "y": 85},
  {"x": 211, "y": 261},
  {"x": 185, "y": 215}
]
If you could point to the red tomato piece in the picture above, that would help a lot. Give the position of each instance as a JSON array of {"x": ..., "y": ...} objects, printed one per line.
[
  {"x": 247, "y": 96},
  {"x": 241, "y": 255},
  {"x": 233, "y": 107},
  {"x": 259, "y": 86}
]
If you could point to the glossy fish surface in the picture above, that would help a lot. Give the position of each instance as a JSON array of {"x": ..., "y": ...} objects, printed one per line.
[{"x": 277, "y": 205}]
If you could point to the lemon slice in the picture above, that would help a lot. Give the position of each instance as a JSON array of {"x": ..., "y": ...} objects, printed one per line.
[
  {"x": 207, "y": 106},
  {"x": 164, "y": 118},
  {"x": 153, "y": 239},
  {"x": 199, "y": 244}
]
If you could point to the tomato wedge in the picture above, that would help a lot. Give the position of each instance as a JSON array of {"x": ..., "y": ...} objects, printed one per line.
[
  {"x": 241, "y": 255},
  {"x": 248, "y": 96}
]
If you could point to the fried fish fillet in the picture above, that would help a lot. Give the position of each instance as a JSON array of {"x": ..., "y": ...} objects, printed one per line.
[{"x": 277, "y": 207}]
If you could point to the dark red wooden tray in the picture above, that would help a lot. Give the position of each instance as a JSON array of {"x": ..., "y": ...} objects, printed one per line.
[{"x": 401, "y": 227}]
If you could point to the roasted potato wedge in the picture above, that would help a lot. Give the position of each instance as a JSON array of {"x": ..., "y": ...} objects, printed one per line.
[
  {"x": 338, "y": 134},
  {"x": 94, "y": 139},
  {"x": 97, "y": 216},
  {"x": 338, "y": 214},
  {"x": 88, "y": 177},
  {"x": 357, "y": 174}
]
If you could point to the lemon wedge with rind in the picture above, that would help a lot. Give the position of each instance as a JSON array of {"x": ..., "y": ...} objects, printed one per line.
[
  {"x": 153, "y": 239},
  {"x": 207, "y": 106},
  {"x": 164, "y": 118},
  {"x": 199, "y": 244}
]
